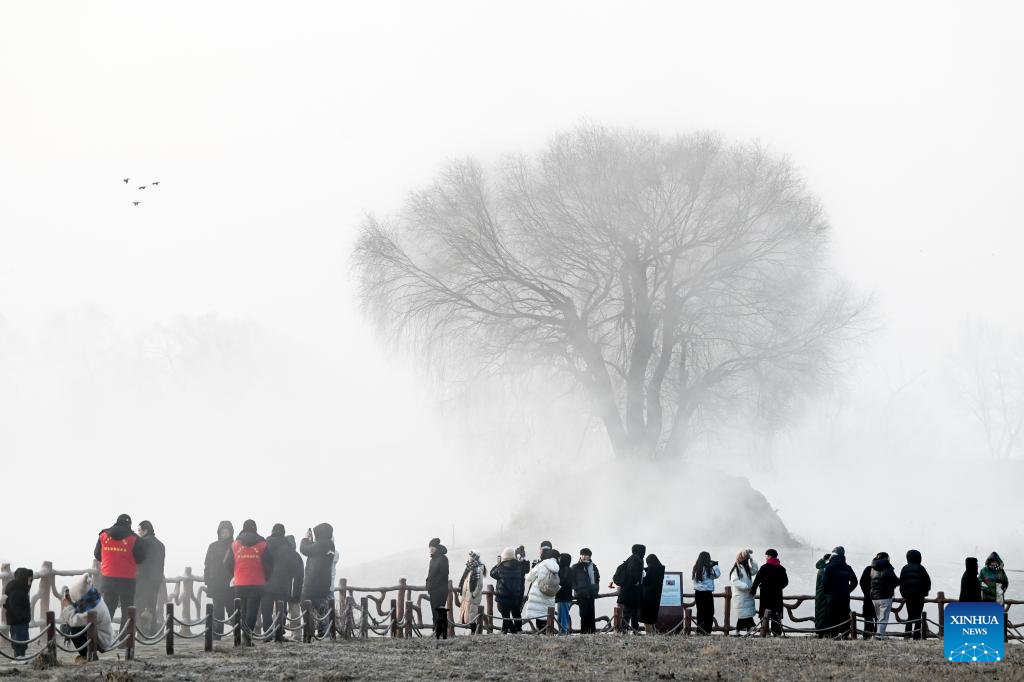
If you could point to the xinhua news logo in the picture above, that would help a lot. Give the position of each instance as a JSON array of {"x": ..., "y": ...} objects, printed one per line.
[{"x": 973, "y": 632}]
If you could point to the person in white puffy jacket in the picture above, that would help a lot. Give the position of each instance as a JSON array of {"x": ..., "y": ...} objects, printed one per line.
[
  {"x": 81, "y": 599},
  {"x": 537, "y": 601},
  {"x": 742, "y": 576}
]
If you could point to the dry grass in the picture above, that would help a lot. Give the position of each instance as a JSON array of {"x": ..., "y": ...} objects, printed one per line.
[{"x": 552, "y": 658}]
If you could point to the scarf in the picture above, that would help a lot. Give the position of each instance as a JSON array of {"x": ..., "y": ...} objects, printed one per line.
[
  {"x": 88, "y": 601},
  {"x": 774, "y": 561},
  {"x": 473, "y": 570}
]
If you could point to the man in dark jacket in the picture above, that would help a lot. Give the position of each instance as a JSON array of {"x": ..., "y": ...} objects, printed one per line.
[
  {"x": 586, "y": 583},
  {"x": 151, "y": 577},
  {"x": 915, "y": 584},
  {"x": 216, "y": 575},
  {"x": 318, "y": 547},
  {"x": 119, "y": 553},
  {"x": 970, "y": 588},
  {"x": 629, "y": 578},
  {"x": 284, "y": 584},
  {"x": 883, "y": 587},
  {"x": 249, "y": 564},
  {"x": 437, "y": 587},
  {"x": 18, "y": 608},
  {"x": 838, "y": 581},
  {"x": 867, "y": 611},
  {"x": 772, "y": 579}
]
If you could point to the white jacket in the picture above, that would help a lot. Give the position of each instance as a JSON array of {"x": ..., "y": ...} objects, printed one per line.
[
  {"x": 742, "y": 596},
  {"x": 537, "y": 602},
  {"x": 104, "y": 626}
]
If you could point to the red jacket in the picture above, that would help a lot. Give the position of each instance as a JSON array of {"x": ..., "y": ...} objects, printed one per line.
[
  {"x": 249, "y": 563},
  {"x": 117, "y": 556}
]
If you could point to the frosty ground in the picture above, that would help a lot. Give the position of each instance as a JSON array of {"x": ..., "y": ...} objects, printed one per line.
[{"x": 545, "y": 658}]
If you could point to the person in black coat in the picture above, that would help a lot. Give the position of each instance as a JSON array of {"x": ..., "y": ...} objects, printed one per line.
[
  {"x": 18, "y": 608},
  {"x": 883, "y": 587},
  {"x": 970, "y": 587},
  {"x": 915, "y": 584},
  {"x": 629, "y": 579},
  {"x": 586, "y": 583},
  {"x": 563, "y": 598},
  {"x": 318, "y": 546},
  {"x": 150, "y": 579},
  {"x": 508, "y": 590},
  {"x": 284, "y": 583},
  {"x": 867, "y": 611},
  {"x": 653, "y": 580},
  {"x": 772, "y": 579},
  {"x": 838, "y": 582},
  {"x": 437, "y": 587},
  {"x": 216, "y": 575}
]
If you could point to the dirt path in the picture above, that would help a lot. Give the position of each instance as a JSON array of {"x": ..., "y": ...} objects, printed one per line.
[{"x": 548, "y": 658}]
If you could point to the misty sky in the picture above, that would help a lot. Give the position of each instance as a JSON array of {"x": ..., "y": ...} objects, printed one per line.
[{"x": 273, "y": 129}]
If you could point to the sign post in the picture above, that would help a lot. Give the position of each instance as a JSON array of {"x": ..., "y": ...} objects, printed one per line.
[{"x": 671, "y": 612}]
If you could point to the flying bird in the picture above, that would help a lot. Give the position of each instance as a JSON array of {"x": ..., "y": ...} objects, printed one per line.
[
  {"x": 142, "y": 187},
  {"x": 136, "y": 203},
  {"x": 155, "y": 182},
  {"x": 126, "y": 180}
]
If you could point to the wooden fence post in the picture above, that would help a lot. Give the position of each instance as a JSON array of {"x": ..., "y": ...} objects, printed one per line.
[
  {"x": 400, "y": 605},
  {"x": 46, "y": 586},
  {"x": 450, "y": 603},
  {"x": 941, "y": 600},
  {"x": 186, "y": 600},
  {"x": 924, "y": 625},
  {"x": 364, "y": 618},
  {"x": 51, "y": 636},
  {"x": 687, "y": 621},
  {"x": 765, "y": 619},
  {"x": 853, "y": 625},
  {"x": 409, "y": 619},
  {"x": 5, "y": 577},
  {"x": 169, "y": 634},
  {"x": 393, "y": 629},
  {"x": 307, "y": 621},
  {"x": 617, "y": 618},
  {"x": 480, "y": 619},
  {"x": 129, "y": 653},
  {"x": 90, "y": 647},
  {"x": 489, "y": 595},
  {"x": 549, "y": 624},
  {"x": 332, "y": 620},
  {"x": 343, "y": 607},
  {"x": 727, "y": 609},
  {"x": 237, "y": 621},
  {"x": 281, "y": 621},
  {"x": 208, "y": 633}
]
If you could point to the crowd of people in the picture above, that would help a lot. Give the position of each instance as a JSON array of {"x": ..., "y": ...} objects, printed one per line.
[{"x": 270, "y": 578}]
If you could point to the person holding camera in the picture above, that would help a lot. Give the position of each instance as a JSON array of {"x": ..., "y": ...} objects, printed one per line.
[
  {"x": 318, "y": 547},
  {"x": 742, "y": 575},
  {"x": 509, "y": 581},
  {"x": 704, "y": 573},
  {"x": 629, "y": 579}
]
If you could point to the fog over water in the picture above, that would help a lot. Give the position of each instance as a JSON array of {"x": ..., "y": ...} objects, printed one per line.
[{"x": 202, "y": 356}]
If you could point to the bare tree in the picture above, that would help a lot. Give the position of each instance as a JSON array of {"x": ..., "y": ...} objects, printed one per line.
[
  {"x": 988, "y": 372},
  {"x": 660, "y": 276}
]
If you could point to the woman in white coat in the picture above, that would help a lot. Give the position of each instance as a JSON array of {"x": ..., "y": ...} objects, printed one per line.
[
  {"x": 542, "y": 584},
  {"x": 742, "y": 576}
]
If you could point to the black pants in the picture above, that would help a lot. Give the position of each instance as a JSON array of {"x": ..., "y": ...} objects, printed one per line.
[
  {"x": 839, "y": 619},
  {"x": 267, "y": 604},
  {"x": 441, "y": 622},
  {"x": 705, "y": 611},
  {"x": 915, "y": 605},
  {"x": 118, "y": 592},
  {"x": 320, "y": 604},
  {"x": 869, "y": 616},
  {"x": 20, "y": 633},
  {"x": 630, "y": 618},
  {"x": 221, "y": 607},
  {"x": 511, "y": 617},
  {"x": 745, "y": 624},
  {"x": 145, "y": 600},
  {"x": 250, "y": 596},
  {"x": 586, "y": 605},
  {"x": 78, "y": 638}
]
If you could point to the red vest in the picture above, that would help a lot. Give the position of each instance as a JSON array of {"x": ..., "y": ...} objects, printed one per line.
[
  {"x": 117, "y": 557},
  {"x": 249, "y": 563}
]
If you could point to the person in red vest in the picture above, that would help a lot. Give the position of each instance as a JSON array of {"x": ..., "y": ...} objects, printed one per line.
[
  {"x": 119, "y": 552},
  {"x": 250, "y": 564}
]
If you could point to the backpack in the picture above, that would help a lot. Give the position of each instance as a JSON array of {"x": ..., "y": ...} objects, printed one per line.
[
  {"x": 549, "y": 583},
  {"x": 620, "y": 575}
]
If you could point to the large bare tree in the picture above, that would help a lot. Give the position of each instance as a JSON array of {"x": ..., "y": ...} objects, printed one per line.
[{"x": 662, "y": 276}]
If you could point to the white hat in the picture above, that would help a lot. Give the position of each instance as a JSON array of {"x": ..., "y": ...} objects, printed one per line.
[{"x": 79, "y": 586}]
